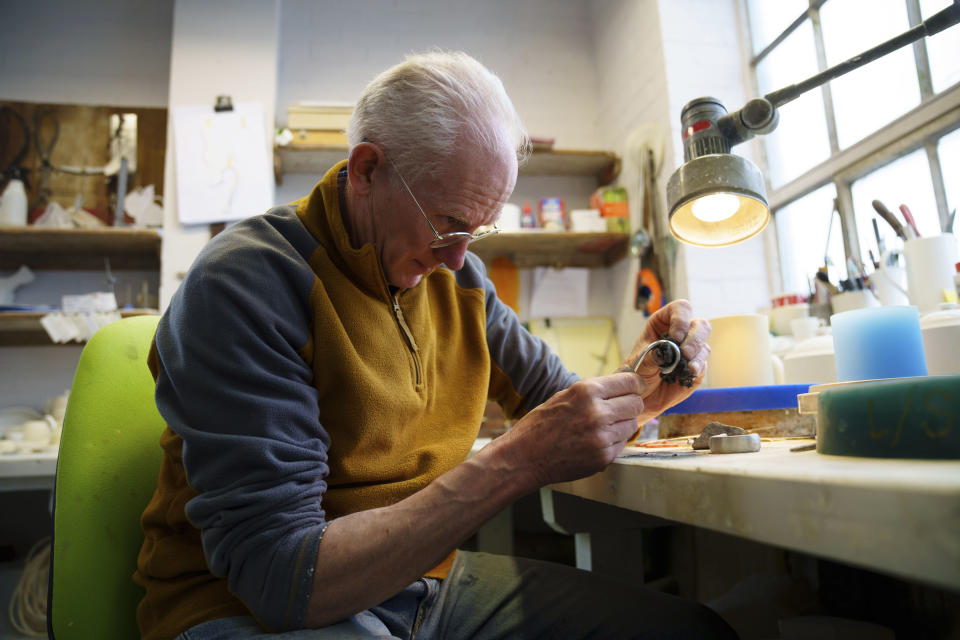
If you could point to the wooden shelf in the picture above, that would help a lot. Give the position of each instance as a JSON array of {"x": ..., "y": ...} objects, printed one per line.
[
  {"x": 603, "y": 165},
  {"x": 23, "y": 328},
  {"x": 559, "y": 249},
  {"x": 74, "y": 249}
]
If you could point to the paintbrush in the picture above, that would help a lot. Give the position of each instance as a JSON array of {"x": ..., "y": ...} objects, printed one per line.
[
  {"x": 891, "y": 219},
  {"x": 905, "y": 210}
]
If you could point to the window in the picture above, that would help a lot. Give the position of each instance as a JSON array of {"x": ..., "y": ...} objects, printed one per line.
[
  {"x": 873, "y": 95},
  {"x": 885, "y": 131},
  {"x": 800, "y": 141},
  {"x": 906, "y": 181},
  {"x": 810, "y": 237},
  {"x": 948, "y": 150},
  {"x": 942, "y": 49}
]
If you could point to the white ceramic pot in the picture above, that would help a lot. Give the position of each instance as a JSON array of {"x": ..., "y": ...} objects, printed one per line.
[
  {"x": 810, "y": 361},
  {"x": 941, "y": 340},
  {"x": 780, "y": 317},
  {"x": 741, "y": 353}
]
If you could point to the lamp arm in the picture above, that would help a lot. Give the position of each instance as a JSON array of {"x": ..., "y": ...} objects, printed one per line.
[
  {"x": 760, "y": 115},
  {"x": 932, "y": 25}
]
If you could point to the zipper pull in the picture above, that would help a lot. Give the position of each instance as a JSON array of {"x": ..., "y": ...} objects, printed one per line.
[{"x": 403, "y": 324}]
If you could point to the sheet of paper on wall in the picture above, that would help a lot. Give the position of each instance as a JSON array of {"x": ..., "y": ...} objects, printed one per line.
[
  {"x": 559, "y": 292},
  {"x": 222, "y": 168}
]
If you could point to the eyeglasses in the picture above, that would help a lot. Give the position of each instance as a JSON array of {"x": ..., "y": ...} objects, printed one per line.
[{"x": 445, "y": 239}]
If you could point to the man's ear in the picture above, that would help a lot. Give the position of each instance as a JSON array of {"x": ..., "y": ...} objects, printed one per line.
[{"x": 365, "y": 159}]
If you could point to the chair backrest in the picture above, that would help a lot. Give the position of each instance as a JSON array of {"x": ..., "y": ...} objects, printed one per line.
[{"x": 106, "y": 474}]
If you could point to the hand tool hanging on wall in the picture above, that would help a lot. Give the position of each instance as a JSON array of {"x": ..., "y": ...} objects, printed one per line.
[
  {"x": 14, "y": 169},
  {"x": 43, "y": 120}
]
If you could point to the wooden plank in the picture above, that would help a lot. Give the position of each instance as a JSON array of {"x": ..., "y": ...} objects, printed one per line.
[
  {"x": 42, "y": 248},
  {"x": 559, "y": 249},
  {"x": 23, "y": 328},
  {"x": 603, "y": 165}
]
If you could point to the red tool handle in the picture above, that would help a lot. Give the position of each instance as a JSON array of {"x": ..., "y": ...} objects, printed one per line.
[{"x": 909, "y": 218}]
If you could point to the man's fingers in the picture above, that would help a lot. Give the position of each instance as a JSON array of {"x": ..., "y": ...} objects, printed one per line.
[
  {"x": 622, "y": 383},
  {"x": 673, "y": 319},
  {"x": 624, "y": 408},
  {"x": 696, "y": 339}
]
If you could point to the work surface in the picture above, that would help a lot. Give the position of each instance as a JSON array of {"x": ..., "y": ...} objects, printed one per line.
[
  {"x": 898, "y": 516},
  {"x": 25, "y": 471}
]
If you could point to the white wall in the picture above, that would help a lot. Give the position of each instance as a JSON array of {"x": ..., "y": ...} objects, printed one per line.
[
  {"x": 541, "y": 49},
  {"x": 653, "y": 57},
  {"x": 704, "y": 58},
  {"x": 109, "y": 52},
  {"x": 633, "y": 96},
  {"x": 219, "y": 47}
]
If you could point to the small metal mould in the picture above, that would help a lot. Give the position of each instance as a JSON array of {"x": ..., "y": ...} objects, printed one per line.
[{"x": 667, "y": 367}]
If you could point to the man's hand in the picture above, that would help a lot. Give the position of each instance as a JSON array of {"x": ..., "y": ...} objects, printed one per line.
[
  {"x": 675, "y": 319},
  {"x": 578, "y": 431}
]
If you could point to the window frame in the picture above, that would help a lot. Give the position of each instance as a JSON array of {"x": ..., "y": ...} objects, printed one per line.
[{"x": 922, "y": 127}]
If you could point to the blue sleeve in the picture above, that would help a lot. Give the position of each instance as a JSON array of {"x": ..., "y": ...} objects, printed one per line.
[
  {"x": 534, "y": 372},
  {"x": 232, "y": 384}
]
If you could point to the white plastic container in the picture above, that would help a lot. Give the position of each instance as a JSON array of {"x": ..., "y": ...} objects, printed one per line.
[
  {"x": 930, "y": 269},
  {"x": 780, "y": 317},
  {"x": 810, "y": 361},
  {"x": 13, "y": 205},
  {"x": 941, "y": 339}
]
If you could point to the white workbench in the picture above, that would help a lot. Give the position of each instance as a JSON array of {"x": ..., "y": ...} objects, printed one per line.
[
  {"x": 26, "y": 471},
  {"x": 898, "y": 516}
]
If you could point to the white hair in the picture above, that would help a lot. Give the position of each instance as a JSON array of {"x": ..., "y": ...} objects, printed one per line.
[{"x": 419, "y": 110}]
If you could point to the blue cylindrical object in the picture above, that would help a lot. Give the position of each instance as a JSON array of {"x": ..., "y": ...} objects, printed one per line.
[{"x": 878, "y": 342}]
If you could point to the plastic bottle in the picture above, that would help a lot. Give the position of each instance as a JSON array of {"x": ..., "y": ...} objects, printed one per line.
[
  {"x": 527, "y": 218},
  {"x": 13, "y": 205},
  {"x": 956, "y": 279}
]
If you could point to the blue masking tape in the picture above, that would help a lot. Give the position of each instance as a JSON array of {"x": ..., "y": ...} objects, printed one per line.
[{"x": 780, "y": 396}]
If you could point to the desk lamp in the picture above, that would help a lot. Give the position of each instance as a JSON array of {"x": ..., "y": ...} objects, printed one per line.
[{"x": 717, "y": 198}]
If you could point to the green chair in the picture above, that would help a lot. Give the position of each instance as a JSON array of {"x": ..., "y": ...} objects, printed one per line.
[{"x": 106, "y": 474}]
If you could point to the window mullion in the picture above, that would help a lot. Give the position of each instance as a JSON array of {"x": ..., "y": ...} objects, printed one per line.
[
  {"x": 848, "y": 222},
  {"x": 825, "y": 91},
  {"x": 936, "y": 175},
  {"x": 920, "y": 51}
]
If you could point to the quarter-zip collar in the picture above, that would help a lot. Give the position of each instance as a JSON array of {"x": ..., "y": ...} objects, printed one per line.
[{"x": 322, "y": 214}]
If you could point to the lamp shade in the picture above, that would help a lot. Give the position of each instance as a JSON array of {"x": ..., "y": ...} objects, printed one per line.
[{"x": 717, "y": 200}]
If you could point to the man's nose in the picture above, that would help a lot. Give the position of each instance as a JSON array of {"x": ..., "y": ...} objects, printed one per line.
[{"x": 452, "y": 256}]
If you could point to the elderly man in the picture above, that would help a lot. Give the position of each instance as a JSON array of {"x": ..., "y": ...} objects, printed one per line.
[{"x": 323, "y": 370}]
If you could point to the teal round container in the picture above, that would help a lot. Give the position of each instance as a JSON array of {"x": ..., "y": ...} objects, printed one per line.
[
  {"x": 907, "y": 418},
  {"x": 878, "y": 342}
]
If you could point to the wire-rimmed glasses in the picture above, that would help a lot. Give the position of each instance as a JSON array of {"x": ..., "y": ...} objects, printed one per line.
[{"x": 445, "y": 239}]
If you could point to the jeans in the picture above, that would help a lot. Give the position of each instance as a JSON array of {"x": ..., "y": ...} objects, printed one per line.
[{"x": 488, "y": 597}]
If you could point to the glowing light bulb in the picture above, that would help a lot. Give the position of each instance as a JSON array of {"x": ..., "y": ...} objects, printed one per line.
[{"x": 716, "y": 207}]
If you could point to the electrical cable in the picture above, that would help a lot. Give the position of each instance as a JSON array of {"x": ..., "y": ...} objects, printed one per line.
[
  {"x": 28, "y": 604},
  {"x": 43, "y": 153},
  {"x": 15, "y": 168}
]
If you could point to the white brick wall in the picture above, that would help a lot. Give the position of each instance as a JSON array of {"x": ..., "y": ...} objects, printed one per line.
[
  {"x": 114, "y": 52},
  {"x": 704, "y": 57},
  {"x": 541, "y": 49}
]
